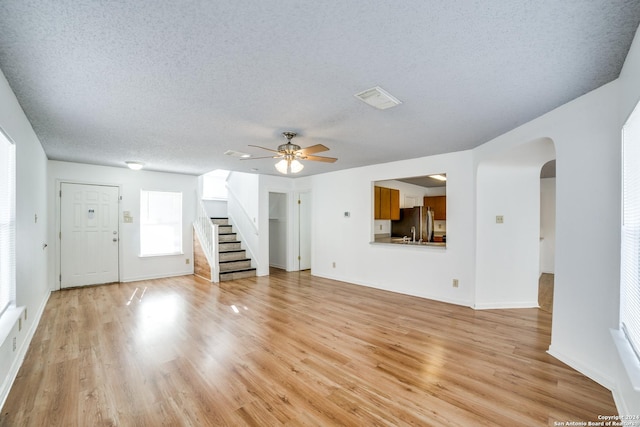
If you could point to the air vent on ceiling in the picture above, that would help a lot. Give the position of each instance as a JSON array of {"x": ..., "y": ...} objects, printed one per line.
[
  {"x": 234, "y": 153},
  {"x": 378, "y": 98}
]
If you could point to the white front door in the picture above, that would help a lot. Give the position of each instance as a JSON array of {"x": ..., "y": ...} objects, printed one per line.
[{"x": 88, "y": 234}]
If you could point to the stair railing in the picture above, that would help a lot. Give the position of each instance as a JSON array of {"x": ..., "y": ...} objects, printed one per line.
[{"x": 207, "y": 233}]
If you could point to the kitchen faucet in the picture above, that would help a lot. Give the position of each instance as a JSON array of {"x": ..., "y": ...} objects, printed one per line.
[{"x": 413, "y": 232}]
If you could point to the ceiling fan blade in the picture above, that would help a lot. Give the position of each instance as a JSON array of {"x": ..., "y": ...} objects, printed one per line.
[
  {"x": 313, "y": 149},
  {"x": 255, "y": 158},
  {"x": 320, "y": 159},
  {"x": 264, "y": 148}
]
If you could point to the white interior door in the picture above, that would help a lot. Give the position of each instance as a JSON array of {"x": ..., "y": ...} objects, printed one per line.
[
  {"x": 88, "y": 234},
  {"x": 304, "y": 230}
]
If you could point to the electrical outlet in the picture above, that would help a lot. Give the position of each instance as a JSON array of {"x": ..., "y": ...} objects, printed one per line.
[
  {"x": 499, "y": 219},
  {"x": 455, "y": 283},
  {"x": 334, "y": 264},
  {"x": 187, "y": 261}
]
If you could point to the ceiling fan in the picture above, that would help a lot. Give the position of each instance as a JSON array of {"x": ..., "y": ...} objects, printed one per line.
[{"x": 291, "y": 154}]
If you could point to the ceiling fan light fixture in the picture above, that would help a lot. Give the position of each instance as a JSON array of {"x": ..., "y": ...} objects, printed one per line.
[
  {"x": 136, "y": 166},
  {"x": 290, "y": 155},
  {"x": 285, "y": 166},
  {"x": 296, "y": 166},
  {"x": 282, "y": 166}
]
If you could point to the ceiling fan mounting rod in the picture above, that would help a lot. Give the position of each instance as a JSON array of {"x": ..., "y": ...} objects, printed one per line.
[{"x": 289, "y": 136}]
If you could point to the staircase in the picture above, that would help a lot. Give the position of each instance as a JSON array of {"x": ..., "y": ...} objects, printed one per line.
[{"x": 232, "y": 259}]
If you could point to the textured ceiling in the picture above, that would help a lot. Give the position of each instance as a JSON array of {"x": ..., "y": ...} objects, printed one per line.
[{"x": 174, "y": 84}]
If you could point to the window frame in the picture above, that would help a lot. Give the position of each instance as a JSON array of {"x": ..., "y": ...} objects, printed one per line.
[
  {"x": 177, "y": 225},
  {"x": 218, "y": 175},
  {"x": 627, "y": 336},
  {"x": 8, "y": 226}
]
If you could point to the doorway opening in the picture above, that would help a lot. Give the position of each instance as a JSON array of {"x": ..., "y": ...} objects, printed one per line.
[
  {"x": 278, "y": 230},
  {"x": 304, "y": 231},
  {"x": 547, "y": 235}
]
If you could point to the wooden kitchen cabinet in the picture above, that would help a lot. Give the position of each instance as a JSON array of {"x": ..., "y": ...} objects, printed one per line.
[
  {"x": 438, "y": 205},
  {"x": 386, "y": 203},
  {"x": 394, "y": 197}
]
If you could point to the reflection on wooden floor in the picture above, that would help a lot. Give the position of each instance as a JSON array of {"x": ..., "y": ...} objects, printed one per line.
[
  {"x": 290, "y": 349},
  {"x": 545, "y": 292}
]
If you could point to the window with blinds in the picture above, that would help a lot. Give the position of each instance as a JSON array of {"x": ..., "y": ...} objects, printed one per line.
[
  {"x": 7, "y": 223},
  {"x": 630, "y": 239}
]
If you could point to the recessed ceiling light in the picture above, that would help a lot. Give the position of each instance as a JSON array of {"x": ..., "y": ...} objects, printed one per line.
[
  {"x": 136, "y": 166},
  {"x": 378, "y": 98},
  {"x": 439, "y": 177}
]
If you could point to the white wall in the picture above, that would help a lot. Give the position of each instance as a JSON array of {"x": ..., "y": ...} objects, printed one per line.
[
  {"x": 627, "y": 399},
  {"x": 421, "y": 271},
  {"x": 548, "y": 225},
  {"x": 508, "y": 253},
  {"x": 587, "y": 138},
  {"x": 507, "y": 260},
  {"x": 216, "y": 208},
  {"x": 132, "y": 266},
  {"x": 32, "y": 290}
]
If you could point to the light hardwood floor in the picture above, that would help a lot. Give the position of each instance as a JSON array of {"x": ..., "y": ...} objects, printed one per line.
[{"x": 289, "y": 349}]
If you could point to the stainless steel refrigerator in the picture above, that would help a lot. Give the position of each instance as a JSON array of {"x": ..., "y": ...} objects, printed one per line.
[{"x": 419, "y": 219}]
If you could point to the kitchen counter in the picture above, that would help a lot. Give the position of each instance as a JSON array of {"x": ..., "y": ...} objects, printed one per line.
[{"x": 398, "y": 241}]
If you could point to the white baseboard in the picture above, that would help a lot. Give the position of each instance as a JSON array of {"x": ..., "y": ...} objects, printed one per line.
[
  {"x": 156, "y": 276},
  {"x": 506, "y": 305},
  {"x": 22, "y": 352},
  {"x": 583, "y": 368},
  {"x": 621, "y": 405},
  {"x": 369, "y": 285}
]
